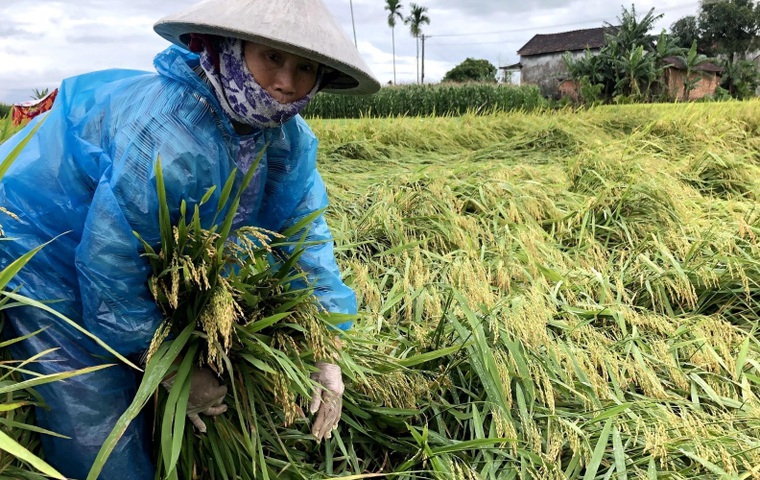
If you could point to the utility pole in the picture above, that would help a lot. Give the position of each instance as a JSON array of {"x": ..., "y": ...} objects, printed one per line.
[
  {"x": 351, "y": 3},
  {"x": 422, "y": 75}
]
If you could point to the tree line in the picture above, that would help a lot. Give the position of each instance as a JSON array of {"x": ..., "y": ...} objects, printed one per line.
[
  {"x": 630, "y": 65},
  {"x": 729, "y": 30}
]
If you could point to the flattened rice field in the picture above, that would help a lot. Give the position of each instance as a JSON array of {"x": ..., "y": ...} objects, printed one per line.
[{"x": 598, "y": 269}]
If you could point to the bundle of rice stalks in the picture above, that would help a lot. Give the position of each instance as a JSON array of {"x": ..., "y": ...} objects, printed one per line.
[
  {"x": 230, "y": 303},
  {"x": 236, "y": 302}
]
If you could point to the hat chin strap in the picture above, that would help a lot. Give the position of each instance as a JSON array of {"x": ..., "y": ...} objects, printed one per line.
[{"x": 240, "y": 95}]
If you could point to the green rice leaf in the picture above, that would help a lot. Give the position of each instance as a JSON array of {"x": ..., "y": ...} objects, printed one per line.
[
  {"x": 226, "y": 227},
  {"x": 21, "y": 300},
  {"x": 164, "y": 217},
  {"x": 715, "y": 469},
  {"x": 53, "y": 377},
  {"x": 741, "y": 359},
  {"x": 14, "y": 340},
  {"x": 611, "y": 412},
  {"x": 32, "y": 428},
  {"x": 14, "y": 267},
  {"x": 17, "y": 450},
  {"x": 618, "y": 452},
  {"x": 175, "y": 414},
  {"x": 8, "y": 161},
  {"x": 7, "y": 407},
  {"x": 155, "y": 371},
  {"x": 257, "y": 363},
  {"x": 471, "y": 445},
  {"x": 599, "y": 451},
  {"x": 260, "y": 325},
  {"x": 429, "y": 356}
]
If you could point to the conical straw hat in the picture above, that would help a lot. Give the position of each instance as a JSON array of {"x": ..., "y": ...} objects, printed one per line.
[{"x": 302, "y": 27}]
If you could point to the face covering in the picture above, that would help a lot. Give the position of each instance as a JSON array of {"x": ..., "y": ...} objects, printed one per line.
[
  {"x": 241, "y": 97},
  {"x": 246, "y": 102}
]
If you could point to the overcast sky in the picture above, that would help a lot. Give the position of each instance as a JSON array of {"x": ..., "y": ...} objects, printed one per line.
[{"x": 45, "y": 41}]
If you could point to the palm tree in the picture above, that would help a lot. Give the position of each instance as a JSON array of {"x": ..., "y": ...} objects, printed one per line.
[
  {"x": 636, "y": 67},
  {"x": 415, "y": 21},
  {"x": 394, "y": 11},
  {"x": 40, "y": 94},
  {"x": 633, "y": 31}
]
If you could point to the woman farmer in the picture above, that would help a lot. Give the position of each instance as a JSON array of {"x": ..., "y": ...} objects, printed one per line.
[{"x": 238, "y": 75}]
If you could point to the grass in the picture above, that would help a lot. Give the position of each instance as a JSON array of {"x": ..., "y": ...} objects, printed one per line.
[{"x": 545, "y": 295}]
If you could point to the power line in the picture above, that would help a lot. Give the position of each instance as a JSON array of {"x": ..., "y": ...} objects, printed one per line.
[
  {"x": 526, "y": 29},
  {"x": 471, "y": 43},
  {"x": 439, "y": 56},
  {"x": 353, "y": 24}
]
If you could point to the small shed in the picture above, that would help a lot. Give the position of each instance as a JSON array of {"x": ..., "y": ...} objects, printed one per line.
[
  {"x": 706, "y": 77},
  {"x": 541, "y": 58}
]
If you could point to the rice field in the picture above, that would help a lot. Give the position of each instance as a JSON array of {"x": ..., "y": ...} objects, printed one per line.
[
  {"x": 593, "y": 275},
  {"x": 548, "y": 295}
]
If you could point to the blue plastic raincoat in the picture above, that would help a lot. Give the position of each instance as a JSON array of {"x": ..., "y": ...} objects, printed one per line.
[{"x": 87, "y": 180}]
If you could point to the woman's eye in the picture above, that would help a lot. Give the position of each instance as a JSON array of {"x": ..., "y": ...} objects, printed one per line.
[
  {"x": 273, "y": 57},
  {"x": 307, "y": 67}
]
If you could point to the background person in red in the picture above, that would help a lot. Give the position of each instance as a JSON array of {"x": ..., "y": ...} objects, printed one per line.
[{"x": 29, "y": 110}]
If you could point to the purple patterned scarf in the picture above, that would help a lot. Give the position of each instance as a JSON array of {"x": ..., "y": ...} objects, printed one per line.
[
  {"x": 246, "y": 102},
  {"x": 241, "y": 97}
]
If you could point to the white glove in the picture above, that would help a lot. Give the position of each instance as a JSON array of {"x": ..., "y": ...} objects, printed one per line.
[
  {"x": 327, "y": 402},
  {"x": 206, "y": 395}
]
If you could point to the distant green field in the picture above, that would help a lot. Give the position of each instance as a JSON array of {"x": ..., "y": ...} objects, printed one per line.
[
  {"x": 570, "y": 294},
  {"x": 443, "y": 99}
]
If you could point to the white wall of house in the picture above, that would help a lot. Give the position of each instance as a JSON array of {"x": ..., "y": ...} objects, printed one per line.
[{"x": 547, "y": 71}]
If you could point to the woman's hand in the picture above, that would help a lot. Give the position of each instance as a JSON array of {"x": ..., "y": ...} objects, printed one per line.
[
  {"x": 327, "y": 402},
  {"x": 206, "y": 395}
]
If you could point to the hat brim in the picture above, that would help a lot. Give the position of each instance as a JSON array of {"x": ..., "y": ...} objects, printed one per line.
[{"x": 346, "y": 79}]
